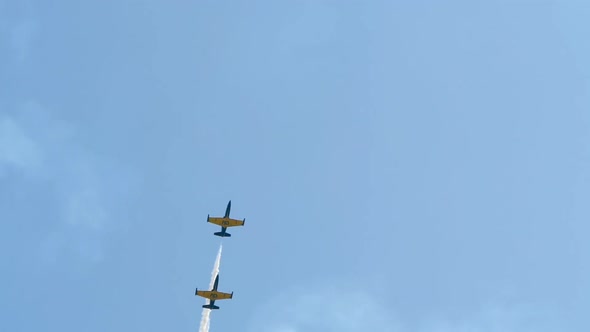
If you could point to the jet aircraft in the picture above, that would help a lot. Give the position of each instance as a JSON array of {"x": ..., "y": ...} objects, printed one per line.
[
  {"x": 225, "y": 222},
  {"x": 213, "y": 295}
]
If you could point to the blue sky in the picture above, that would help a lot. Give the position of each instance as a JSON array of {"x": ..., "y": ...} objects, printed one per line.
[{"x": 404, "y": 166}]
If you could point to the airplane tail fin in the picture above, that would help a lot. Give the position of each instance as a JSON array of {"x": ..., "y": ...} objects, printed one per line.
[
  {"x": 222, "y": 234},
  {"x": 210, "y": 306}
]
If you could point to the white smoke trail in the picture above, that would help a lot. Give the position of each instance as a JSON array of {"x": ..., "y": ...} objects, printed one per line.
[{"x": 204, "y": 327}]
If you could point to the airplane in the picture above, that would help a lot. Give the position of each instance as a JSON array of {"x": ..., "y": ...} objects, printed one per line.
[
  {"x": 225, "y": 222},
  {"x": 213, "y": 295}
]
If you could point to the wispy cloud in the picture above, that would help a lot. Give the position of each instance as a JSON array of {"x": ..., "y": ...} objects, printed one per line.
[
  {"x": 324, "y": 309},
  {"x": 498, "y": 317},
  {"x": 39, "y": 150},
  {"x": 330, "y": 308},
  {"x": 17, "y": 149}
]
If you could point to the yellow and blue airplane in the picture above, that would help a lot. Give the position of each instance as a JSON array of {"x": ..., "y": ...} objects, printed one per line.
[
  {"x": 225, "y": 222},
  {"x": 213, "y": 295}
]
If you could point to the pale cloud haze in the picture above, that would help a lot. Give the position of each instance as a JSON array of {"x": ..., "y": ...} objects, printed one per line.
[
  {"x": 42, "y": 151},
  {"x": 403, "y": 166}
]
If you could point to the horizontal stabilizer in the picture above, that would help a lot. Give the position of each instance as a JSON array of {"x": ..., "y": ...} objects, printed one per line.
[
  {"x": 210, "y": 306},
  {"x": 222, "y": 234}
]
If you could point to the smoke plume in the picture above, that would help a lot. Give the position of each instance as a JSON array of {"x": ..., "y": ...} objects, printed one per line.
[{"x": 204, "y": 327}]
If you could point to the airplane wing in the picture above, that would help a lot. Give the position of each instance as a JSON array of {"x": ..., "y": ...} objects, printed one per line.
[
  {"x": 234, "y": 222},
  {"x": 225, "y": 222},
  {"x": 223, "y": 296},
  {"x": 213, "y": 295},
  {"x": 215, "y": 220},
  {"x": 205, "y": 294}
]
